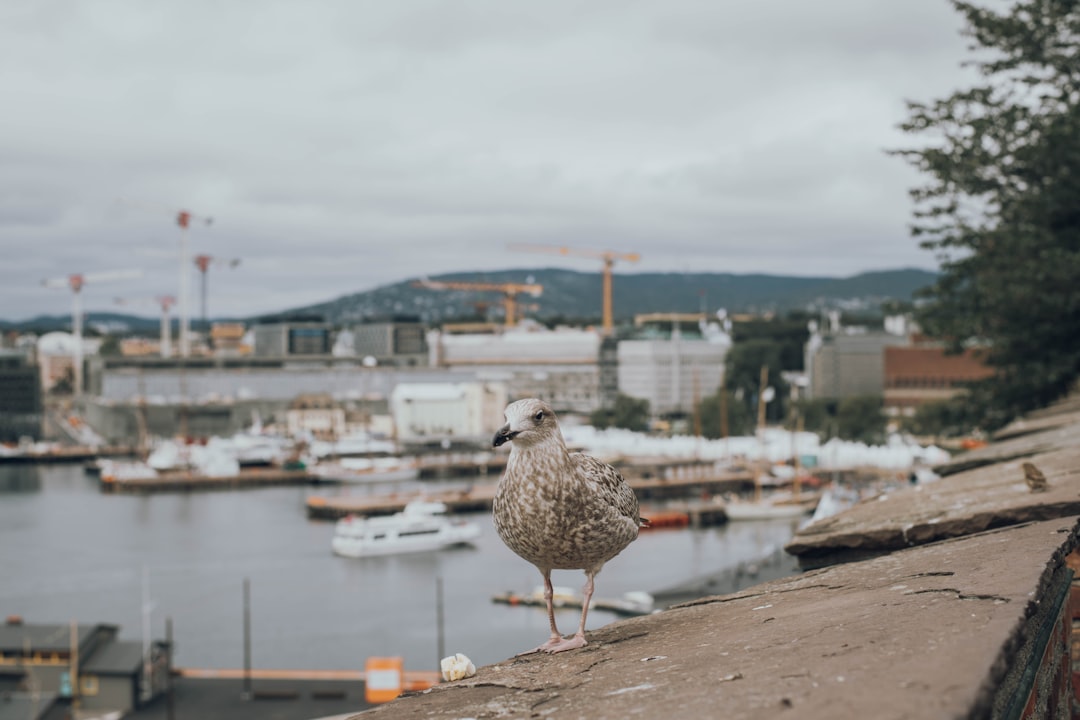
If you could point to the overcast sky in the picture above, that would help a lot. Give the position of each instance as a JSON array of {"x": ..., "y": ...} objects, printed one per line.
[{"x": 339, "y": 146}]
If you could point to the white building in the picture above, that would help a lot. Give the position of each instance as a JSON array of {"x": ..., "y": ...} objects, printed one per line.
[
  {"x": 560, "y": 366},
  {"x": 56, "y": 353},
  {"x": 434, "y": 411},
  {"x": 673, "y": 373}
]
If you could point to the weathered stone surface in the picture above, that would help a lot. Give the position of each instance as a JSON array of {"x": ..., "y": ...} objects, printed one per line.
[
  {"x": 1015, "y": 448},
  {"x": 969, "y": 502},
  {"x": 1039, "y": 423},
  {"x": 925, "y": 632}
]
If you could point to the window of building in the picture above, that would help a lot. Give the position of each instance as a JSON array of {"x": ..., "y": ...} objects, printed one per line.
[{"x": 88, "y": 685}]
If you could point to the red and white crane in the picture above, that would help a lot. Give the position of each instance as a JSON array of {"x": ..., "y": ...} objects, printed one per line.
[
  {"x": 203, "y": 263},
  {"x": 165, "y": 302},
  {"x": 184, "y": 218},
  {"x": 75, "y": 282}
]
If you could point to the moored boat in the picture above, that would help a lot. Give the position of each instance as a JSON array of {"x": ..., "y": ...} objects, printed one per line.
[
  {"x": 367, "y": 470},
  {"x": 421, "y": 527}
]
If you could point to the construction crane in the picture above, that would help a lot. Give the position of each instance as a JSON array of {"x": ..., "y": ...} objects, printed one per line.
[
  {"x": 165, "y": 302},
  {"x": 184, "y": 218},
  {"x": 75, "y": 282},
  {"x": 203, "y": 263},
  {"x": 510, "y": 292},
  {"x": 607, "y": 256}
]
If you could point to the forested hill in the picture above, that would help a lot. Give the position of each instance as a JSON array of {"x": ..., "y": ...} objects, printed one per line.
[
  {"x": 570, "y": 294},
  {"x": 576, "y": 296}
]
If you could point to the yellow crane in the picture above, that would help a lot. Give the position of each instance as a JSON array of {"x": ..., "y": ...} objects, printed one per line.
[
  {"x": 607, "y": 256},
  {"x": 510, "y": 291}
]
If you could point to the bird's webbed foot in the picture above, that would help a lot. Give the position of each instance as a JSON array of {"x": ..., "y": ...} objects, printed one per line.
[{"x": 570, "y": 643}]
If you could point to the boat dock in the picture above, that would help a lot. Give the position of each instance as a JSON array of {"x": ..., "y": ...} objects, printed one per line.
[
  {"x": 479, "y": 498},
  {"x": 182, "y": 481},
  {"x": 412, "y": 680},
  {"x": 65, "y": 454},
  {"x": 619, "y": 607}
]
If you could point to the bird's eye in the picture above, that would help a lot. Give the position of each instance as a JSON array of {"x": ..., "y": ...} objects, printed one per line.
[{"x": 539, "y": 416}]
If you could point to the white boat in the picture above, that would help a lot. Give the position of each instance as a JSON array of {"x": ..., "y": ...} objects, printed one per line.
[
  {"x": 763, "y": 510},
  {"x": 367, "y": 470},
  {"x": 121, "y": 470},
  {"x": 422, "y": 526}
]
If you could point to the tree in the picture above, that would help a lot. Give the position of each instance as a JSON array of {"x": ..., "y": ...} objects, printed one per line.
[
  {"x": 946, "y": 418},
  {"x": 743, "y": 374},
  {"x": 819, "y": 415},
  {"x": 1000, "y": 205},
  {"x": 739, "y": 419},
  {"x": 629, "y": 413},
  {"x": 861, "y": 419}
]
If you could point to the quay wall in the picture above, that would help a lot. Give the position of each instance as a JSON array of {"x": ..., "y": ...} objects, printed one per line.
[{"x": 953, "y": 599}]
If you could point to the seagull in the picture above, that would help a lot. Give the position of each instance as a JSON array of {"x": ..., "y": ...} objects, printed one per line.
[
  {"x": 1034, "y": 478},
  {"x": 559, "y": 510}
]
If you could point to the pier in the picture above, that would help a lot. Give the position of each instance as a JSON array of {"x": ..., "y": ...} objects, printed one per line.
[
  {"x": 65, "y": 454},
  {"x": 181, "y": 481},
  {"x": 412, "y": 680},
  {"x": 479, "y": 497}
]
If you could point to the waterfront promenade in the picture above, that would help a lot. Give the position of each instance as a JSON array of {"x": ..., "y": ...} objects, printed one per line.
[{"x": 961, "y": 606}]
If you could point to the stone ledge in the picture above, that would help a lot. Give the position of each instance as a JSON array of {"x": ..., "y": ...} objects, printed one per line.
[{"x": 932, "y": 631}]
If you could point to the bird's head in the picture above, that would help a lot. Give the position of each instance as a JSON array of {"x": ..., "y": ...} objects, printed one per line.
[{"x": 527, "y": 422}]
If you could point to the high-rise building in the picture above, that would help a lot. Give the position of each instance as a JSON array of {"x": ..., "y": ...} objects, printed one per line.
[{"x": 20, "y": 397}]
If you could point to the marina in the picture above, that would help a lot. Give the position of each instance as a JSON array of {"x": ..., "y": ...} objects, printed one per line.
[
  {"x": 478, "y": 497},
  {"x": 71, "y": 551}
]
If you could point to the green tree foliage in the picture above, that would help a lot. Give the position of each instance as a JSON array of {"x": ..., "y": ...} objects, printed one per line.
[
  {"x": 948, "y": 418},
  {"x": 629, "y": 413},
  {"x": 110, "y": 346},
  {"x": 743, "y": 375},
  {"x": 819, "y": 416},
  {"x": 861, "y": 419},
  {"x": 857, "y": 418},
  {"x": 739, "y": 419},
  {"x": 1001, "y": 204},
  {"x": 790, "y": 334}
]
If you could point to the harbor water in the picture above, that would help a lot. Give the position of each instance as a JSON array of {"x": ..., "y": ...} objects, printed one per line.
[{"x": 69, "y": 552}]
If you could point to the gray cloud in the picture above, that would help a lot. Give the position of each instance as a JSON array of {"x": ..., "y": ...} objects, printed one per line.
[{"x": 344, "y": 145}]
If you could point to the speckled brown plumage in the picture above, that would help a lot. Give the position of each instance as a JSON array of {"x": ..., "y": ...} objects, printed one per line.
[{"x": 559, "y": 510}]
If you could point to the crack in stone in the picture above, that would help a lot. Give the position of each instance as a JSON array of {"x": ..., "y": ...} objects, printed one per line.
[
  {"x": 591, "y": 665},
  {"x": 932, "y": 573},
  {"x": 960, "y": 595},
  {"x": 631, "y": 636},
  {"x": 751, "y": 596}
]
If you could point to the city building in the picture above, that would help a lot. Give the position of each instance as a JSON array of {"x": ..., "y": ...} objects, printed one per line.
[
  {"x": 426, "y": 412},
  {"x": 227, "y": 339},
  {"x": 110, "y": 674},
  {"x": 217, "y": 395},
  {"x": 926, "y": 373},
  {"x": 559, "y": 366},
  {"x": 292, "y": 339},
  {"x": 399, "y": 341},
  {"x": 670, "y": 368},
  {"x": 317, "y": 414},
  {"x": 56, "y": 358},
  {"x": 21, "y": 407},
  {"x": 847, "y": 362}
]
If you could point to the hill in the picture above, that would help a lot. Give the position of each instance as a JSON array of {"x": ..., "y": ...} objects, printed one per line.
[{"x": 571, "y": 294}]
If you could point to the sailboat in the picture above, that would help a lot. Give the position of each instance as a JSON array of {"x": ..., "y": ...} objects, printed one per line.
[{"x": 775, "y": 506}]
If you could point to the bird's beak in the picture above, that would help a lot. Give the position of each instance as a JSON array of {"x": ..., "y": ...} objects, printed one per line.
[{"x": 504, "y": 435}]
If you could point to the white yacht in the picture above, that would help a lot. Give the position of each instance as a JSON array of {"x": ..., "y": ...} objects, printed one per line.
[{"x": 422, "y": 526}]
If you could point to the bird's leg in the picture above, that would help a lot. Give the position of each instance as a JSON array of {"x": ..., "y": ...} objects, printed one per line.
[
  {"x": 556, "y": 638},
  {"x": 579, "y": 637}
]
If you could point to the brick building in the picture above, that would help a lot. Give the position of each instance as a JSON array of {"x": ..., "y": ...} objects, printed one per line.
[{"x": 925, "y": 373}]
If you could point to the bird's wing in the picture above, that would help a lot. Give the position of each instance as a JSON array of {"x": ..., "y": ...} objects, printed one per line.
[{"x": 609, "y": 483}]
